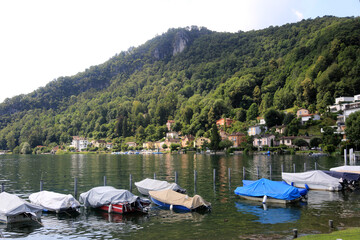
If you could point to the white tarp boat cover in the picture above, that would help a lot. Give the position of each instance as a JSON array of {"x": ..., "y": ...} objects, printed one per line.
[
  {"x": 351, "y": 169},
  {"x": 317, "y": 178},
  {"x": 54, "y": 201},
  {"x": 99, "y": 196},
  {"x": 11, "y": 205},
  {"x": 174, "y": 198},
  {"x": 148, "y": 184}
]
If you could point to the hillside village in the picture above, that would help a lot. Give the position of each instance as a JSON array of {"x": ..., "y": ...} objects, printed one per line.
[{"x": 258, "y": 134}]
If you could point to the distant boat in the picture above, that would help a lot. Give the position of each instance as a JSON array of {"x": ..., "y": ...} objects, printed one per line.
[
  {"x": 350, "y": 169},
  {"x": 315, "y": 180},
  {"x": 114, "y": 200},
  {"x": 55, "y": 202},
  {"x": 15, "y": 210},
  {"x": 149, "y": 184},
  {"x": 172, "y": 200},
  {"x": 267, "y": 191}
]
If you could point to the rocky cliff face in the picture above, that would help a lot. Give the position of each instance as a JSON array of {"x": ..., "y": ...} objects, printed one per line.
[{"x": 180, "y": 42}]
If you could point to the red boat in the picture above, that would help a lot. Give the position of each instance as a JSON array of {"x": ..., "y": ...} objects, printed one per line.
[{"x": 114, "y": 200}]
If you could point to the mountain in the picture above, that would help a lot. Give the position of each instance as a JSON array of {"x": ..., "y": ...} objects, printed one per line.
[{"x": 194, "y": 76}]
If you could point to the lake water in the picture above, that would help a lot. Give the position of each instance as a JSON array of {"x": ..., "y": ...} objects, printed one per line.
[{"x": 230, "y": 218}]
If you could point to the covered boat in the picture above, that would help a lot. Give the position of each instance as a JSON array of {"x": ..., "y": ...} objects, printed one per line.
[
  {"x": 54, "y": 202},
  {"x": 347, "y": 180},
  {"x": 114, "y": 200},
  {"x": 14, "y": 209},
  {"x": 265, "y": 190},
  {"x": 350, "y": 169},
  {"x": 315, "y": 180},
  {"x": 178, "y": 201},
  {"x": 303, "y": 192},
  {"x": 148, "y": 184}
]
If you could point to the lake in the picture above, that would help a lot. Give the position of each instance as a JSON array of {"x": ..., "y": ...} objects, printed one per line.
[{"x": 230, "y": 218}]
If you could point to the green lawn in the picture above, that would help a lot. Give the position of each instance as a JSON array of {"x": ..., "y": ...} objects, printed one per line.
[{"x": 348, "y": 234}]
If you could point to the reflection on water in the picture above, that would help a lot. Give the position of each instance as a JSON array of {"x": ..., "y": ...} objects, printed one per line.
[
  {"x": 230, "y": 218},
  {"x": 272, "y": 215}
]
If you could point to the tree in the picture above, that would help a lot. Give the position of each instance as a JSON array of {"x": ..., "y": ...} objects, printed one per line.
[
  {"x": 352, "y": 129},
  {"x": 252, "y": 112},
  {"x": 301, "y": 142},
  {"x": 225, "y": 144},
  {"x": 214, "y": 139},
  {"x": 25, "y": 148},
  {"x": 315, "y": 142},
  {"x": 329, "y": 137},
  {"x": 292, "y": 129},
  {"x": 174, "y": 147},
  {"x": 273, "y": 117}
]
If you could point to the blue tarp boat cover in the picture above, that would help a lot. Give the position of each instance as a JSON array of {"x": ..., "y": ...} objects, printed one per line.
[
  {"x": 303, "y": 192},
  {"x": 269, "y": 188}
]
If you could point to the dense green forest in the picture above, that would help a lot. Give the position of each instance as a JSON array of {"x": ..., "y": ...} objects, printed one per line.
[{"x": 193, "y": 76}]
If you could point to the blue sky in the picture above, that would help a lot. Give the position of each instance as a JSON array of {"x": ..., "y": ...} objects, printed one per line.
[{"x": 42, "y": 40}]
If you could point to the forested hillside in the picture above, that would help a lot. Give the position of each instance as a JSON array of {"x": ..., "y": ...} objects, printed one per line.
[{"x": 194, "y": 76}]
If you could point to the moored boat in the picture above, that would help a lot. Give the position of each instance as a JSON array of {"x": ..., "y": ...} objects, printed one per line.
[
  {"x": 146, "y": 185},
  {"x": 267, "y": 191},
  {"x": 347, "y": 168},
  {"x": 55, "y": 202},
  {"x": 114, "y": 200},
  {"x": 172, "y": 200},
  {"x": 16, "y": 210},
  {"x": 315, "y": 180}
]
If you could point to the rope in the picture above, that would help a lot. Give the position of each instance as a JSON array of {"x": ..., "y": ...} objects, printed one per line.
[{"x": 318, "y": 165}]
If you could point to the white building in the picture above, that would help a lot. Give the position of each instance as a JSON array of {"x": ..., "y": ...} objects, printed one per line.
[
  {"x": 79, "y": 143},
  {"x": 256, "y": 130}
]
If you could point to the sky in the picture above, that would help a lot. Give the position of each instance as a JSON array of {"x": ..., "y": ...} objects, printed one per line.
[{"x": 41, "y": 40}]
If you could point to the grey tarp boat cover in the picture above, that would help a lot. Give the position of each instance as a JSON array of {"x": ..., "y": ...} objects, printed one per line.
[
  {"x": 54, "y": 201},
  {"x": 148, "y": 184},
  {"x": 314, "y": 179},
  {"x": 11, "y": 205},
  {"x": 99, "y": 196},
  {"x": 174, "y": 198}
]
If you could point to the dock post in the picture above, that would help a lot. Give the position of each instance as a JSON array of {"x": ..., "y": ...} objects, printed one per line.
[
  {"x": 345, "y": 157},
  {"x": 214, "y": 178},
  {"x": 2, "y": 187},
  {"x": 244, "y": 173},
  {"x": 130, "y": 179},
  {"x": 176, "y": 177},
  {"x": 270, "y": 170},
  {"x": 315, "y": 165},
  {"x": 294, "y": 168},
  {"x": 282, "y": 168},
  {"x": 41, "y": 185},
  {"x": 195, "y": 180},
  {"x": 154, "y": 176},
  {"x": 229, "y": 177},
  {"x": 104, "y": 180},
  {"x": 304, "y": 166},
  {"x": 75, "y": 187},
  {"x": 257, "y": 172}
]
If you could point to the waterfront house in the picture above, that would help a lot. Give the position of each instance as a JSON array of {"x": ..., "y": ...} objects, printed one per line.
[
  {"x": 98, "y": 143},
  {"x": 79, "y": 143},
  {"x": 109, "y": 145},
  {"x": 264, "y": 140},
  {"x": 224, "y": 122},
  {"x": 172, "y": 135},
  {"x": 131, "y": 144},
  {"x": 199, "y": 142},
  {"x": 256, "y": 130},
  {"x": 187, "y": 140},
  {"x": 237, "y": 138},
  {"x": 302, "y": 112}
]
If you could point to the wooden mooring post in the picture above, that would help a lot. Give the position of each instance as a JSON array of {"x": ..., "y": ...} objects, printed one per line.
[
  {"x": 229, "y": 177},
  {"x": 257, "y": 172},
  {"x": 244, "y": 173},
  {"x": 315, "y": 165},
  {"x": 294, "y": 167},
  {"x": 75, "y": 187},
  {"x": 270, "y": 171},
  {"x": 41, "y": 185},
  {"x": 130, "y": 182},
  {"x": 105, "y": 181},
  {"x": 154, "y": 176},
  {"x": 214, "y": 178},
  {"x": 176, "y": 177},
  {"x": 195, "y": 180},
  {"x": 2, "y": 187}
]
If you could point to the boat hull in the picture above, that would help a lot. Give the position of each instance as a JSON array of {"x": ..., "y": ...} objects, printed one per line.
[
  {"x": 122, "y": 208},
  {"x": 171, "y": 207},
  {"x": 20, "y": 218},
  {"x": 270, "y": 200}
]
